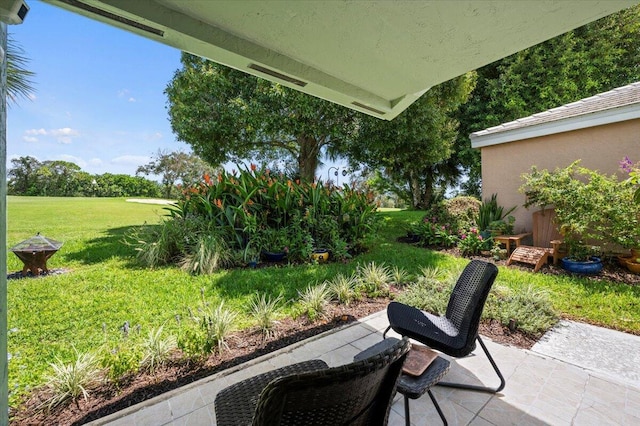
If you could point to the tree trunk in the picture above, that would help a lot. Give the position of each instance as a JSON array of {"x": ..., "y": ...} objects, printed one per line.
[{"x": 308, "y": 157}]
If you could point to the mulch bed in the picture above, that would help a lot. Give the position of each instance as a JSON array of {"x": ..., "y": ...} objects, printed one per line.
[{"x": 247, "y": 345}]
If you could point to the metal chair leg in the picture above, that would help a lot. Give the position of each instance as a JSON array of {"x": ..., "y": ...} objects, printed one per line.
[
  {"x": 407, "y": 419},
  {"x": 480, "y": 388},
  {"x": 435, "y": 403}
]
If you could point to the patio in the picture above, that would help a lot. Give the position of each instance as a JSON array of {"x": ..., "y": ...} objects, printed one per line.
[{"x": 541, "y": 389}]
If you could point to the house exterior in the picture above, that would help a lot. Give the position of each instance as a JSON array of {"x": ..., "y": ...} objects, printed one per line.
[{"x": 599, "y": 131}]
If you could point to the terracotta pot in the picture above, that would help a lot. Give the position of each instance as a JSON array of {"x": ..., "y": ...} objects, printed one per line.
[
  {"x": 633, "y": 266},
  {"x": 623, "y": 258}
]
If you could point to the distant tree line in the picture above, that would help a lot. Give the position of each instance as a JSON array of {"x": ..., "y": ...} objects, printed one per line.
[{"x": 28, "y": 176}]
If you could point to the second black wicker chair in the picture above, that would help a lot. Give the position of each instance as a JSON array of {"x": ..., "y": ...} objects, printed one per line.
[
  {"x": 456, "y": 332},
  {"x": 310, "y": 393}
]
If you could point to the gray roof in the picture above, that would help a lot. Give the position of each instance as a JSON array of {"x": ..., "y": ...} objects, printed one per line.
[{"x": 619, "y": 97}]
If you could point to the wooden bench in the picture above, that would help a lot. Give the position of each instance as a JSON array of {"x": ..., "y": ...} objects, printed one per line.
[
  {"x": 507, "y": 239},
  {"x": 547, "y": 242}
]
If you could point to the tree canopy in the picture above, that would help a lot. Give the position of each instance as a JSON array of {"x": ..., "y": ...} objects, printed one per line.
[
  {"x": 176, "y": 167},
  {"x": 29, "y": 176},
  {"x": 595, "y": 58},
  {"x": 228, "y": 115},
  {"x": 413, "y": 149}
]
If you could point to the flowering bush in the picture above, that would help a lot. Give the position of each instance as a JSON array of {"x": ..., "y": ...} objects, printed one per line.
[
  {"x": 434, "y": 234},
  {"x": 471, "y": 242},
  {"x": 255, "y": 210},
  {"x": 634, "y": 176},
  {"x": 591, "y": 208}
]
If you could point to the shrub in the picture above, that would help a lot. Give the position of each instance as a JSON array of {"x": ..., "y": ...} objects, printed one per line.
[
  {"x": 591, "y": 208},
  {"x": 121, "y": 360},
  {"x": 471, "y": 242},
  {"x": 70, "y": 381},
  {"x": 209, "y": 254},
  {"x": 529, "y": 307}
]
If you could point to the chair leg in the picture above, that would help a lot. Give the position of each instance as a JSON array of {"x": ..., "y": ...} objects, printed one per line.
[
  {"x": 435, "y": 404},
  {"x": 407, "y": 418},
  {"x": 480, "y": 388}
]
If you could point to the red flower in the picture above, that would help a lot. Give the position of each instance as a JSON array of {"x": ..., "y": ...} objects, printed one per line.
[{"x": 253, "y": 167}]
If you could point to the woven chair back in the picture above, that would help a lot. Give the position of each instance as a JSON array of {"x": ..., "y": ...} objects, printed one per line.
[
  {"x": 468, "y": 298},
  {"x": 359, "y": 393}
]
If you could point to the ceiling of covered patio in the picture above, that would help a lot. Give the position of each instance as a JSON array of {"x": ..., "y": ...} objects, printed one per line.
[{"x": 376, "y": 57}]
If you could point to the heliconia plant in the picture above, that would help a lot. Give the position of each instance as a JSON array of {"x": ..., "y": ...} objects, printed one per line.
[{"x": 255, "y": 210}]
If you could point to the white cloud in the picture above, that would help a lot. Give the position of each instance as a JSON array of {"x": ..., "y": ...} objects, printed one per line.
[
  {"x": 132, "y": 99},
  {"x": 63, "y": 135},
  {"x": 136, "y": 160},
  {"x": 35, "y": 132},
  {"x": 122, "y": 93},
  {"x": 64, "y": 132},
  {"x": 95, "y": 162}
]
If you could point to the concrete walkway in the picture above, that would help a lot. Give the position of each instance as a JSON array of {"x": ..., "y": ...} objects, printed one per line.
[{"x": 576, "y": 375}]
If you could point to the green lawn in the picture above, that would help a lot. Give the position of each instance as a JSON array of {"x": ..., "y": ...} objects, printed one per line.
[{"x": 85, "y": 308}]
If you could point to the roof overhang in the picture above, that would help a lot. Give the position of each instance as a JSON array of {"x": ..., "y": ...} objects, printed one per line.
[{"x": 376, "y": 57}]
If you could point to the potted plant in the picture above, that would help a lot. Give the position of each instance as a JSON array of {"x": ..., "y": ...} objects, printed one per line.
[
  {"x": 493, "y": 217},
  {"x": 582, "y": 258},
  {"x": 274, "y": 244}
]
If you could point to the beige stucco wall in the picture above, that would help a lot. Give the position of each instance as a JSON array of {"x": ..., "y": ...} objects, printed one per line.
[{"x": 600, "y": 148}]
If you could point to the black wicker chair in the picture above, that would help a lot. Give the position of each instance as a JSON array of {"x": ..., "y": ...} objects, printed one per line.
[
  {"x": 310, "y": 393},
  {"x": 454, "y": 334}
]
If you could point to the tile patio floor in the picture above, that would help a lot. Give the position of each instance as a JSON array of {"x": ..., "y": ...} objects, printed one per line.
[{"x": 540, "y": 390}]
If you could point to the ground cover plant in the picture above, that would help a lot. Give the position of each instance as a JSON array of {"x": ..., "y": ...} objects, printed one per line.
[{"x": 105, "y": 303}]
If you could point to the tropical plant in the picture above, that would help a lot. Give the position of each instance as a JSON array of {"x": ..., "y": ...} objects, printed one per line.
[
  {"x": 374, "y": 279},
  {"x": 313, "y": 300},
  {"x": 225, "y": 218},
  {"x": 264, "y": 310},
  {"x": 491, "y": 215},
  {"x": 157, "y": 350},
  {"x": 71, "y": 381},
  {"x": 343, "y": 288}
]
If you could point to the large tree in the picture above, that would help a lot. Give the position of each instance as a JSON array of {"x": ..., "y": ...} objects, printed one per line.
[
  {"x": 176, "y": 167},
  {"x": 228, "y": 115},
  {"x": 413, "y": 149},
  {"x": 597, "y": 57}
]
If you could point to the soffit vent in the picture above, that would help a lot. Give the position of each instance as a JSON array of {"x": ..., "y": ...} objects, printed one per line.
[
  {"x": 276, "y": 74},
  {"x": 368, "y": 108},
  {"x": 114, "y": 17}
]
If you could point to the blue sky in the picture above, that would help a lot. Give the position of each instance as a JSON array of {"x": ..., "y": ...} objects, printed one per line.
[{"x": 98, "y": 99}]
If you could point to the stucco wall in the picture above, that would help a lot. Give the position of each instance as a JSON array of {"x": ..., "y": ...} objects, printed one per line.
[{"x": 599, "y": 148}]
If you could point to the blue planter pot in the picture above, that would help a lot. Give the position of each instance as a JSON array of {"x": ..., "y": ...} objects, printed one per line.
[
  {"x": 273, "y": 256},
  {"x": 590, "y": 267}
]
